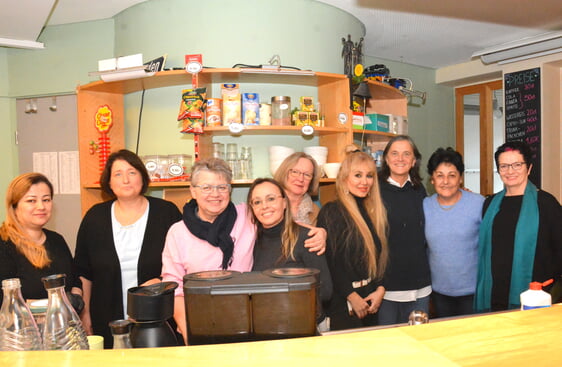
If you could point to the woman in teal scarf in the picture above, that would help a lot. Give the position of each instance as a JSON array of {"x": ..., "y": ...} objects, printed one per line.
[{"x": 520, "y": 235}]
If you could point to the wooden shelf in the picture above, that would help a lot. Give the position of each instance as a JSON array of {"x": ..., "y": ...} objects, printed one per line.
[
  {"x": 273, "y": 130},
  {"x": 207, "y": 76}
]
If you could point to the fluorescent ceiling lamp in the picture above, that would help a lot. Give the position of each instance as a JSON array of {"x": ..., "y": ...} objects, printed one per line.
[
  {"x": 32, "y": 45},
  {"x": 123, "y": 74},
  {"x": 525, "y": 48}
]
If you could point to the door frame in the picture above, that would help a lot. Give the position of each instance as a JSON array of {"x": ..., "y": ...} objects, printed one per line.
[{"x": 485, "y": 91}]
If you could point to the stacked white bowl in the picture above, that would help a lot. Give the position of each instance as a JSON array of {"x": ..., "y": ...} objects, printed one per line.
[
  {"x": 319, "y": 153},
  {"x": 277, "y": 155}
]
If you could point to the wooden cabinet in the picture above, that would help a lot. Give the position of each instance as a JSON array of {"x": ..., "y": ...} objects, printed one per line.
[{"x": 332, "y": 93}]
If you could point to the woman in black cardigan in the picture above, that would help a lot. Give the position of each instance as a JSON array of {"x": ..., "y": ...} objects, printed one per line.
[{"x": 120, "y": 242}]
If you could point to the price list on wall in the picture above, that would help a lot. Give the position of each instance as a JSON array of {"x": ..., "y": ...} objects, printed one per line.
[{"x": 523, "y": 114}]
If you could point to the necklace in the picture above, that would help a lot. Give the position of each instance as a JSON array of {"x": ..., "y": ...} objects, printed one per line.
[{"x": 448, "y": 207}]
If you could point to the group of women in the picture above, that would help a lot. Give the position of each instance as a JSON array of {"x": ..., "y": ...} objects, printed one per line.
[{"x": 388, "y": 247}]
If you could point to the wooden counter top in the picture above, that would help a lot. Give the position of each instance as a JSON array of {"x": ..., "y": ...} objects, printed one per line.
[{"x": 518, "y": 338}]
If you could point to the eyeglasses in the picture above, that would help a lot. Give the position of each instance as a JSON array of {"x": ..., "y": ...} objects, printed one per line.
[
  {"x": 296, "y": 173},
  {"x": 515, "y": 166},
  {"x": 207, "y": 189},
  {"x": 269, "y": 200}
]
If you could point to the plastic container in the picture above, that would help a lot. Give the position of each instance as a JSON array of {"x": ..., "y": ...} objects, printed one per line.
[
  {"x": 18, "y": 330},
  {"x": 281, "y": 110},
  {"x": 535, "y": 297},
  {"x": 63, "y": 329}
]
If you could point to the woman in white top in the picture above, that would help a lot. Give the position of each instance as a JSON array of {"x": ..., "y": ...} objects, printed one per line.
[{"x": 120, "y": 242}]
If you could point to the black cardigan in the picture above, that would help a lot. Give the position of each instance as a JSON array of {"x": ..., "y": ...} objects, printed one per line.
[
  {"x": 96, "y": 259},
  {"x": 548, "y": 253},
  {"x": 408, "y": 266}
]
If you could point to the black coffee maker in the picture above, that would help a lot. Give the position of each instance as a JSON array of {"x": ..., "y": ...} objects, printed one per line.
[{"x": 149, "y": 308}]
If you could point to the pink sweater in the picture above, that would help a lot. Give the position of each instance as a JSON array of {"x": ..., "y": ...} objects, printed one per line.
[{"x": 184, "y": 253}]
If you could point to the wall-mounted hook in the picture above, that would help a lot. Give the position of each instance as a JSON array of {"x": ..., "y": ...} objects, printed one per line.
[
  {"x": 28, "y": 106},
  {"x": 33, "y": 106},
  {"x": 53, "y": 106}
]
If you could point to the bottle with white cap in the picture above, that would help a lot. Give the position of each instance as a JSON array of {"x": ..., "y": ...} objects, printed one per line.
[{"x": 535, "y": 297}]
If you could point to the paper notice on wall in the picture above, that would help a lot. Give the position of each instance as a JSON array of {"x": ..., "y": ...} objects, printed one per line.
[
  {"x": 69, "y": 173},
  {"x": 47, "y": 164},
  {"x": 61, "y": 168}
]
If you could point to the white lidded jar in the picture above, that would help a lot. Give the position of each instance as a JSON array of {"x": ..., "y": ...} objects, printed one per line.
[{"x": 535, "y": 297}]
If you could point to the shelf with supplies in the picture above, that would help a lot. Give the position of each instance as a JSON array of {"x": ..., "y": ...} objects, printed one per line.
[{"x": 331, "y": 90}]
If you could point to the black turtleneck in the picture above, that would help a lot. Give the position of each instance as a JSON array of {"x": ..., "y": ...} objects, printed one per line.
[{"x": 267, "y": 255}]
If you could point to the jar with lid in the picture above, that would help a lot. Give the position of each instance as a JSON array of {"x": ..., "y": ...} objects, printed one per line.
[{"x": 281, "y": 110}]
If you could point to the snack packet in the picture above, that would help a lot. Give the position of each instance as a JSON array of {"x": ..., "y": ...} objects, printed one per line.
[{"x": 192, "y": 109}]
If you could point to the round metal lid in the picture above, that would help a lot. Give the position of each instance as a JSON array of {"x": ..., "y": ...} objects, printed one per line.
[
  {"x": 290, "y": 272},
  {"x": 212, "y": 275}
]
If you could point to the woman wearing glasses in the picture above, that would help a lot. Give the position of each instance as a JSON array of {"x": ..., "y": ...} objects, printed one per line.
[
  {"x": 214, "y": 233},
  {"x": 280, "y": 240},
  {"x": 299, "y": 176},
  {"x": 120, "y": 242},
  {"x": 520, "y": 235}
]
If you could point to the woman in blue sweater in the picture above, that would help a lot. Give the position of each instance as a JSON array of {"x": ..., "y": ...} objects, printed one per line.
[{"x": 452, "y": 221}]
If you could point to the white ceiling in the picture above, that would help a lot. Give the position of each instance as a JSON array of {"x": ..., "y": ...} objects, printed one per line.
[{"x": 431, "y": 33}]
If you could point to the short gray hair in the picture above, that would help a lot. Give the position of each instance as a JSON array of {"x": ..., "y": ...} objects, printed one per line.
[{"x": 214, "y": 165}]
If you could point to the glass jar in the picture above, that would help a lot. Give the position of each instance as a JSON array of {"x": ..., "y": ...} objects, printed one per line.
[{"x": 281, "y": 110}]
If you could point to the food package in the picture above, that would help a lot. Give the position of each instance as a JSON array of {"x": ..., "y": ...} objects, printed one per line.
[
  {"x": 307, "y": 104},
  {"x": 251, "y": 109},
  {"x": 231, "y": 106},
  {"x": 213, "y": 112},
  {"x": 313, "y": 119},
  {"x": 300, "y": 118},
  {"x": 192, "y": 110}
]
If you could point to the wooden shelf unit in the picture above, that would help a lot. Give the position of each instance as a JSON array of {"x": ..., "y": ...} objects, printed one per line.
[{"x": 333, "y": 94}]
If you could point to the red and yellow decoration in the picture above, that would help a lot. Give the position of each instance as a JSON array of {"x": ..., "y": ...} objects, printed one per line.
[{"x": 103, "y": 123}]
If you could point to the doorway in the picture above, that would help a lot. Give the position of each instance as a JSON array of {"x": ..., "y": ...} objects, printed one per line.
[{"x": 479, "y": 116}]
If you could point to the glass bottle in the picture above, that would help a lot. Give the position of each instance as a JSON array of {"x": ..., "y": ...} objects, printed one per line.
[
  {"x": 63, "y": 328},
  {"x": 18, "y": 330},
  {"x": 121, "y": 331}
]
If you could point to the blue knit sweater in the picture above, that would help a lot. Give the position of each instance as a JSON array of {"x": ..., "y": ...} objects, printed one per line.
[{"x": 452, "y": 240}]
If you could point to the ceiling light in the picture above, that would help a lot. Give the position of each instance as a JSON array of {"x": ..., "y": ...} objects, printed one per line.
[
  {"x": 526, "y": 48},
  {"x": 8, "y": 42}
]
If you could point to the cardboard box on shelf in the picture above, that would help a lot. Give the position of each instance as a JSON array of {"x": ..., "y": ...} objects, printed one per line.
[{"x": 377, "y": 122}]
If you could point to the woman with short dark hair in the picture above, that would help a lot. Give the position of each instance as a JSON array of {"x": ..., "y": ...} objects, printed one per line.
[
  {"x": 520, "y": 235},
  {"x": 120, "y": 242},
  {"x": 452, "y": 221}
]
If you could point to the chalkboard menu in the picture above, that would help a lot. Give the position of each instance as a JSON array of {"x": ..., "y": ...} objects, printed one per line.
[{"x": 523, "y": 114}]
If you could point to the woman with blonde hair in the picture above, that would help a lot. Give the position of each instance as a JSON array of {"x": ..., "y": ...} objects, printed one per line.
[
  {"x": 299, "y": 176},
  {"x": 28, "y": 251},
  {"x": 357, "y": 249}
]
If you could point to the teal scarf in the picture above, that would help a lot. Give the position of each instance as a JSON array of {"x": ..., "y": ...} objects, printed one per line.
[{"x": 526, "y": 233}]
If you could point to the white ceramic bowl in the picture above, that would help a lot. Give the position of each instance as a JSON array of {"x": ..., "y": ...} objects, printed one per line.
[{"x": 331, "y": 169}]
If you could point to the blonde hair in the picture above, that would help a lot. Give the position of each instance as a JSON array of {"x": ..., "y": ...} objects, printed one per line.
[
  {"x": 283, "y": 171},
  {"x": 290, "y": 232},
  {"x": 376, "y": 263},
  {"x": 12, "y": 229}
]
